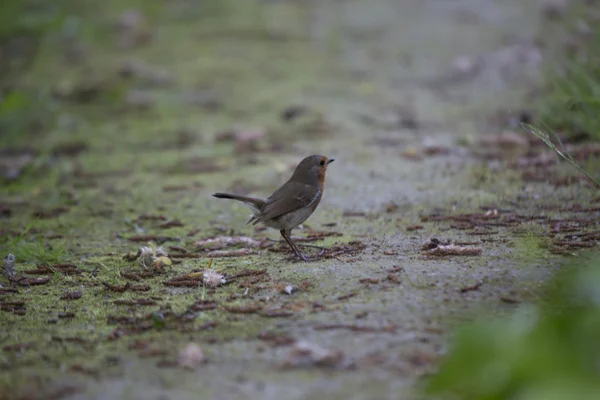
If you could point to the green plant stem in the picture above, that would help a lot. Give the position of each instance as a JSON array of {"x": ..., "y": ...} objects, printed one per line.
[{"x": 545, "y": 138}]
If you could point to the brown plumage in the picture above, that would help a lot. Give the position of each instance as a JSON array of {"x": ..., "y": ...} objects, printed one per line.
[{"x": 293, "y": 202}]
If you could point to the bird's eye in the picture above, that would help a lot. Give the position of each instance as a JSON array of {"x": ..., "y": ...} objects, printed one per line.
[{"x": 322, "y": 163}]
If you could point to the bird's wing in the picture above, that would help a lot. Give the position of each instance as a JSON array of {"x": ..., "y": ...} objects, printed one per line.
[{"x": 290, "y": 197}]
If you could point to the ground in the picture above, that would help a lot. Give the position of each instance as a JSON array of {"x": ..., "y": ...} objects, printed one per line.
[{"x": 154, "y": 107}]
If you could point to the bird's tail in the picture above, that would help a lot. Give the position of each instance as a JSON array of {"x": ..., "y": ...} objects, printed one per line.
[{"x": 253, "y": 203}]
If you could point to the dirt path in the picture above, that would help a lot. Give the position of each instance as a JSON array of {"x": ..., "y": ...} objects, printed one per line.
[{"x": 227, "y": 99}]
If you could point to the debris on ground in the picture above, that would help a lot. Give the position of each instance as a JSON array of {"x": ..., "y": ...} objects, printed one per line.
[
  {"x": 287, "y": 289},
  {"x": 135, "y": 302},
  {"x": 27, "y": 281},
  {"x": 15, "y": 307},
  {"x": 229, "y": 253},
  {"x": 390, "y": 328},
  {"x": 306, "y": 354},
  {"x": 347, "y": 296},
  {"x": 243, "y": 309},
  {"x": 185, "y": 281},
  {"x": 369, "y": 280},
  {"x": 203, "y": 305},
  {"x": 116, "y": 288},
  {"x": 150, "y": 255},
  {"x": 9, "y": 266},
  {"x": 354, "y": 247},
  {"x": 437, "y": 248},
  {"x": 470, "y": 288},
  {"x": 71, "y": 295},
  {"x": 276, "y": 339},
  {"x": 411, "y": 153},
  {"x": 146, "y": 256},
  {"x": 220, "y": 242},
  {"x": 431, "y": 147},
  {"x": 212, "y": 278},
  {"x": 313, "y": 236},
  {"x": 65, "y": 269}
]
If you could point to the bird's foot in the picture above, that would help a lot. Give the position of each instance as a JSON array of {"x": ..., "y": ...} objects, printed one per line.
[
  {"x": 303, "y": 258},
  {"x": 310, "y": 259}
]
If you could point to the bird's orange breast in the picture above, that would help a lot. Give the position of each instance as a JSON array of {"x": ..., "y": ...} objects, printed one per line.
[{"x": 321, "y": 179}]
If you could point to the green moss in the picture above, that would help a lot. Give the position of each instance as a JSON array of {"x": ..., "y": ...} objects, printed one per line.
[{"x": 531, "y": 247}]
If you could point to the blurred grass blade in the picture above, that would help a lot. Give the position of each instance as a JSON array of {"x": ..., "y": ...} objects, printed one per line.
[{"x": 563, "y": 153}]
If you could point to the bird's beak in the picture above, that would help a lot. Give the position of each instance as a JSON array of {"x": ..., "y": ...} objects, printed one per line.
[{"x": 330, "y": 160}]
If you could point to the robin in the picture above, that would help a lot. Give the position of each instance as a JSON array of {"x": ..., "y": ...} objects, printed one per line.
[{"x": 293, "y": 202}]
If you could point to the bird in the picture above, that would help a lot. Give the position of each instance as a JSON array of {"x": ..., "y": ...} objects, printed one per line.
[{"x": 291, "y": 204}]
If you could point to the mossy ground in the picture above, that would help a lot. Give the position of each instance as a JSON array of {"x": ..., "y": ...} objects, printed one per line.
[{"x": 104, "y": 157}]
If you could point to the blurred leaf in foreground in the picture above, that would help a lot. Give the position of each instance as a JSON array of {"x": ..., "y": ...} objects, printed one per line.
[{"x": 542, "y": 352}]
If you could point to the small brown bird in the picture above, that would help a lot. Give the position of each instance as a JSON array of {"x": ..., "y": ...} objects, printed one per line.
[{"x": 293, "y": 202}]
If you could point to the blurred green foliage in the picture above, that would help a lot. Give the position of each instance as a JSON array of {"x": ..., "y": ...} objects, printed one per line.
[
  {"x": 572, "y": 103},
  {"x": 23, "y": 25},
  {"x": 549, "y": 351},
  {"x": 30, "y": 17},
  {"x": 33, "y": 250}
]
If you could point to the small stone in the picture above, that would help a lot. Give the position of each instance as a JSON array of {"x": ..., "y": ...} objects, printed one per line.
[
  {"x": 191, "y": 356},
  {"x": 288, "y": 289}
]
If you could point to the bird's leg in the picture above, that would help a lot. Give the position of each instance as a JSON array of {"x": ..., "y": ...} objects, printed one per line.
[{"x": 286, "y": 236}]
